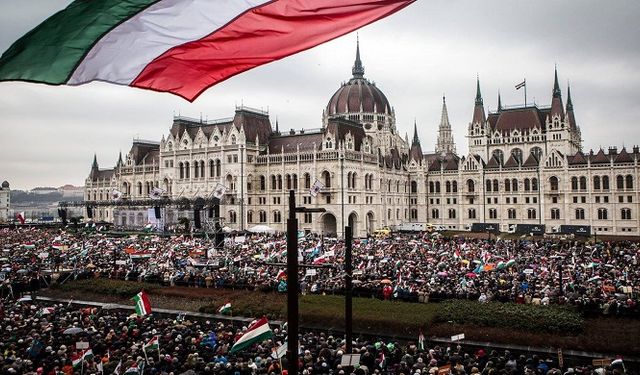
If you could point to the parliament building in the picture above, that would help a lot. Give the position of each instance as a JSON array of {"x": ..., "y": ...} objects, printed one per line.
[{"x": 525, "y": 168}]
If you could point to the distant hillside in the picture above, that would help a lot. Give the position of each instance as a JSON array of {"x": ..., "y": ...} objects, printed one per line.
[{"x": 23, "y": 197}]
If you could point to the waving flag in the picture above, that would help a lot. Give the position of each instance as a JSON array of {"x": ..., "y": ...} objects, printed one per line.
[
  {"x": 178, "y": 46},
  {"x": 256, "y": 332},
  {"x": 143, "y": 304},
  {"x": 20, "y": 216}
]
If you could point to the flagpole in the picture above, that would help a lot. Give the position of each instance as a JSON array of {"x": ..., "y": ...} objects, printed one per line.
[{"x": 525, "y": 92}]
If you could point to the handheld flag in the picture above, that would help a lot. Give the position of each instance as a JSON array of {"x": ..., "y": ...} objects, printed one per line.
[
  {"x": 219, "y": 191},
  {"x": 316, "y": 188},
  {"x": 152, "y": 344},
  {"x": 181, "y": 47},
  {"x": 225, "y": 309},
  {"x": 116, "y": 194},
  {"x": 421, "y": 345},
  {"x": 257, "y": 332},
  {"x": 20, "y": 216},
  {"x": 156, "y": 193},
  {"x": 143, "y": 304}
]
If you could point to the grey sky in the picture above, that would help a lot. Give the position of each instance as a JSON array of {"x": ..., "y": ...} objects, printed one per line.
[{"x": 48, "y": 134}]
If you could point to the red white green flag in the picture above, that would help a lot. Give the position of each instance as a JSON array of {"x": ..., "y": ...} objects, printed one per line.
[
  {"x": 178, "y": 46},
  {"x": 257, "y": 332},
  {"x": 143, "y": 304},
  {"x": 152, "y": 344}
]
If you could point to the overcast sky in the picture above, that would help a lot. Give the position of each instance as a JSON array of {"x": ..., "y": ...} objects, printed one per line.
[{"x": 48, "y": 134}]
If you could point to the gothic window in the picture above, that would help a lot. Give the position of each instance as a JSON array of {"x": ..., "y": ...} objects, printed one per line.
[
  {"x": 579, "y": 213},
  {"x": 555, "y": 214},
  {"x": 435, "y": 213},
  {"x": 499, "y": 155},
  {"x": 326, "y": 176},
  {"x": 277, "y": 217},
  {"x": 262, "y": 216},
  {"x": 249, "y": 216},
  {"x": 531, "y": 213},
  {"x": 583, "y": 183},
  {"x": 288, "y": 181},
  {"x": 431, "y": 187},
  {"x": 328, "y": 143},
  {"x": 273, "y": 182},
  {"x": 187, "y": 170},
  {"x": 574, "y": 183},
  {"x": 629, "y": 181},
  {"x": 488, "y": 185},
  {"x": 605, "y": 182},
  {"x": 514, "y": 184},
  {"x": 307, "y": 181},
  {"x": 511, "y": 213},
  {"x": 602, "y": 214},
  {"x": 517, "y": 154},
  {"x": 437, "y": 186},
  {"x": 263, "y": 183},
  {"x": 232, "y": 217},
  {"x": 472, "y": 213},
  {"x": 196, "y": 169},
  {"x": 353, "y": 180},
  {"x": 493, "y": 213},
  {"x": 212, "y": 168},
  {"x": 471, "y": 186},
  {"x": 414, "y": 187},
  {"x": 534, "y": 184},
  {"x": 527, "y": 184},
  {"x": 279, "y": 182},
  {"x": 181, "y": 167},
  {"x": 218, "y": 168},
  {"x": 495, "y": 185},
  {"x": 507, "y": 185},
  {"x": 233, "y": 139},
  {"x": 620, "y": 182},
  {"x": 625, "y": 214},
  {"x": 553, "y": 181},
  {"x": 448, "y": 186},
  {"x": 294, "y": 177}
]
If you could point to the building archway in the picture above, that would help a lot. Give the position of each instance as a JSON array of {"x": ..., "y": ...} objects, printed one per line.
[
  {"x": 329, "y": 225},
  {"x": 353, "y": 223},
  {"x": 370, "y": 221}
]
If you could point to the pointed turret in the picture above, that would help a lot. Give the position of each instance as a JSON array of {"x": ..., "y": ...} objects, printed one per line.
[
  {"x": 445, "y": 137},
  {"x": 556, "y": 102},
  {"x": 94, "y": 167},
  {"x": 570, "y": 116},
  {"x": 499, "y": 102},
  {"x": 358, "y": 68},
  {"x": 416, "y": 150},
  {"x": 119, "y": 163},
  {"x": 569, "y": 102},
  {"x": 478, "y": 110}
]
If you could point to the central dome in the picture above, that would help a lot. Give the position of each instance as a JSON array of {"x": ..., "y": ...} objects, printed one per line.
[{"x": 358, "y": 96}]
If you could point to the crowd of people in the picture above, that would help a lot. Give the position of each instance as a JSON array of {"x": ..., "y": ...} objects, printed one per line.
[
  {"x": 601, "y": 278},
  {"x": 41, "y": 339}
]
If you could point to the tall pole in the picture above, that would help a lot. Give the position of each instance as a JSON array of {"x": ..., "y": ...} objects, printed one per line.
[
  {"x": 525, "y": 92},
  {"x": 342, "y": 185},
  {"x": 348, "y": 302},
  {"x": 242, "y": 187},
  {"x": 292, "y": 286}
]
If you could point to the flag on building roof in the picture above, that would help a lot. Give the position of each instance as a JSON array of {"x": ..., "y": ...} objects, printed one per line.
[
  {"x": 143, "y": 304},
  {"x": 257, "y": 332},
  {"x": 181, "y": 47},
  {"x": 225, "y": 309}
]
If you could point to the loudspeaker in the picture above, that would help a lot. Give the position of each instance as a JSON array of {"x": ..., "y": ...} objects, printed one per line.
[
  {"x": 89, "y": 212},
  {"x": 157, "y": 212},
  {"x": 196, "y": 219}
]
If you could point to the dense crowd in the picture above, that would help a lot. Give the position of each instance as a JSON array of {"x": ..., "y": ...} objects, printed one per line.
[
  {"x": 599, "y": 278},
  {"x": 38, "y": 339}
]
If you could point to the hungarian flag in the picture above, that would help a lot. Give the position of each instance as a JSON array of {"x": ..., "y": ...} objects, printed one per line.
[
  {"x": 257, "y": 332},
  {"x": 76, "y": 360},
  {"x": 143, "y": 304},
  {"x": 178, "y": 46},
  {"x": 225, "y": 309},
  {"x": 87, "y": 355},
  {"x": 152, "y": 344},
  {"x": 20, "y": 217}
]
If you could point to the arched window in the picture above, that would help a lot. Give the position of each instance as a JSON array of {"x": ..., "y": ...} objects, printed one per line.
[
  {"x": 432, "y": 188},
  {"x": 196, "y": 169},
  {"x": 531, "y": 213},
  {"x": 574, "y": 183},
  {"x": 625, "y": 214},
  {"x": 288, "y": 181},
  {"x": 233, "y": 139},
  {"x": 414, "y": 187},
  {"x": 514, "y": 184},
  {"x": 212, "y": 169},
  {"x": 249, "y": 216},
  {"x": 232, "y": 217},
  {"x": 495, "y": 185},
  {"x": 307, "y": 181},
  {"x": 507, "y": 184},
  {"x": 262, "y": 216},
  {"x": 583, "y": 183},
  {"x": 447, "y": 186},
  {"x": 187, "y": 170},
  {"x": 452, "y": 213},
  {"x": 511, "y": 213},
  {"x": 602, "y": 214},
  {"x": 605, "y": 182},
  {"x": 629, "y": 181},
  {"x": 435, "y": 213},
  {"x": 596, "y": 182},
  {"x": 181, "y": 167},
  {"x": 488, "y": 185},
  {"x": 579, "y": 213},
  {"x": 279, "y": 182},
  {"x": 277, "y": 217},
  {"x": 349, "y": 180},
  {"x": 620, "y": 182},
  {"x": 353, "y": 180},
  {"x": 294, "y": 177},
  {"x": 139, "y": 188},
  {"x": 437, "y": 186},
  {"x": 555, "y": 214},
  {"x": 263, "y": 183},
  {"x": 218, "y": 168},
  {"x": 471, "y": 186},
  {"x": 202, "y": 170},
  {"x": 534, "y": 184},
  {"x": 472, "y": 213},
  {"x": 273, "y": 182},
  {"x": 553, "y": 181},
  {"x": 326, "y": 176}
]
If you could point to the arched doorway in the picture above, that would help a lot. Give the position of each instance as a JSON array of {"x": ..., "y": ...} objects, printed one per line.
[
  {"x": 329, "y": 225},
  {"x": 370, "y": 220},
  {"x": 353, "y": 223}
]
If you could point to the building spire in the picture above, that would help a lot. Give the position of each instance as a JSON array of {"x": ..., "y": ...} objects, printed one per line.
[
  {"x": 358, "y": 68},
  {"x": 556, "y": 86},
  {"x": 499, "y": 102},
  {"x": 119, "y": 163},
  {"x": 478, "y": 94},
  {"x": 95, "y": 161},
  {"x": 445, "y": 137},
  {"x": 416, "y": 140},
  {"x": 569, "y": 102}
]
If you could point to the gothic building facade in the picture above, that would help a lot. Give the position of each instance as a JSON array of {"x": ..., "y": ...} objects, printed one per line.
[{"x": 525, "y": 166}]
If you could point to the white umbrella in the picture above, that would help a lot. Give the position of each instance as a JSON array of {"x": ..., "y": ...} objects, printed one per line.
[
  {"x": 262, "y": 229},
  {"x": 72, "y": 331},
  {"x": 25, "y": 299}
]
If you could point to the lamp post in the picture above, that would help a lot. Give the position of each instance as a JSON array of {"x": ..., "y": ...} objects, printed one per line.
[{"x": 341, "y": 156}]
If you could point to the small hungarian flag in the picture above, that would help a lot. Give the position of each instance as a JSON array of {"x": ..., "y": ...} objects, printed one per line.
[
  {"x": 152, "y": 344},
  {"x": 256, "y": 332},
  {"x": 134, "y": 369},
  {"x": 87, "y": 355},
  {"x": 225, "y": 309},
  {"x": 143, "y": 304},
  {"x": 421, "y": 340},
  {"x": 76, "y": 360}
]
